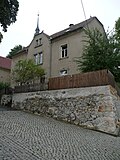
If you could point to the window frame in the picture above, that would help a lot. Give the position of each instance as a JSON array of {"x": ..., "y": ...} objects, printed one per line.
[
  {"x": 38, "y": 42},
  {"x": 38, "y": 58},
  {"x": 64, "y": 51},
  {"x": 63, "y": 74}
]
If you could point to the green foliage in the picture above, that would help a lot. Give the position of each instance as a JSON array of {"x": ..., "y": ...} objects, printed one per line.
[
  {"x": 26, "y": 71},
  {"x": 8, "y": 13},
  {"x": 118, "y": 84},
  {"x": 117, "y": 48},
  {"x": 100, "y": 52},
  {"x": 15, "y": 50},
  {"x": 117, "y": 30},
  {"x": 1, "y": 37},
  {"x": 4, "y": 85}
]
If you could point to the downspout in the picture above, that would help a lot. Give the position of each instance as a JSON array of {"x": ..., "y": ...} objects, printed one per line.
[{"x": 50, "y": 58}]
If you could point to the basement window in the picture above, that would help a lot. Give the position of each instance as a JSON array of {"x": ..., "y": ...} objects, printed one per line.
[{"x": 63, "y": 72}]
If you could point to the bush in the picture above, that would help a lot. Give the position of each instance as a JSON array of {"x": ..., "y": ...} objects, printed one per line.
[{"x": 4, "y": 85}]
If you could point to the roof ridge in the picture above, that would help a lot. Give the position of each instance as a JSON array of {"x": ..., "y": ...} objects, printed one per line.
[{"x": 73, "y": 27}]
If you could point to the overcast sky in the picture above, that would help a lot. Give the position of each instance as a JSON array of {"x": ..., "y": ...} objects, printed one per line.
[{"x": 55, "y": 15}]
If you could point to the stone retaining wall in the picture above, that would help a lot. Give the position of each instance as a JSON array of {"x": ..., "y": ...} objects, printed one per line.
[
  {"x": 91, "y": 107},
  {"x": 6, "y": 100}
]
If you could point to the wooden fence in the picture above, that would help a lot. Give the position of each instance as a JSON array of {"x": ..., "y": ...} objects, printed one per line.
[
  {"x": 31, "y": 88},
  {"x": 89, "y": 79},
  {"x": 95, "y": 78},
  {"x": 7, "y": 90}
]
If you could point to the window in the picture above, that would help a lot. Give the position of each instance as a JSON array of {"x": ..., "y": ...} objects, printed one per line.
[
  {"x": 36, "y": 58},
  {"x": 64, "y": 51},
  {"x": 39, "y": 58},
  {"x": 38, "y": 42},
  {"x": 63, "y": 72}
]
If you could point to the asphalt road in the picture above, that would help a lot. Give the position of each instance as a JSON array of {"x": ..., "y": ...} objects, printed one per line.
[{"x": 24, "y": 136}]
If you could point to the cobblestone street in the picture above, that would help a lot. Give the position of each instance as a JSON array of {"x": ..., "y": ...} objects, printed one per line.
[{"x": 25, "y": 136}]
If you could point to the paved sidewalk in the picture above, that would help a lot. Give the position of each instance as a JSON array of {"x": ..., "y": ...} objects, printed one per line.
[{"x": 25, "y": 136}]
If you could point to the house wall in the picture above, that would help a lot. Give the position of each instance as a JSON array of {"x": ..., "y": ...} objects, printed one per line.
[
  {"x": 44, "y": 48},
  {"x": 96, "y": 24},
  {"x": 75, "y": 45},
  {"x": 4, "y": 75}
]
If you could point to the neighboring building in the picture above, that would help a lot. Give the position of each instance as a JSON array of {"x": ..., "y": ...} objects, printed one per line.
[
  {"x": 5, "y": 68},
  {"x": 56, "y": 53}
]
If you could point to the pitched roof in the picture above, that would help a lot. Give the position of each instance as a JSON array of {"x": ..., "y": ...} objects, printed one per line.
[
  {"x": 73, "y": 27},
  {"x": 23, "y": 51},
  {"x": 5, "y": 63}
]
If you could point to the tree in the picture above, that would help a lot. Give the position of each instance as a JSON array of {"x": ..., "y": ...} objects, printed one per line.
[
  {"x": 117, "y": 49},
  {"x": 117, "y": 30},
  {"x": 8, "y": 13},
  {"x": 27, "y": 71},
  {"x": 13, "y": 51},
  {"x": 100, "y": 52}
]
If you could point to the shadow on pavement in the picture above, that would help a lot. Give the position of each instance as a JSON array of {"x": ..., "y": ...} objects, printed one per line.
[{"x": 5, "y": 108}]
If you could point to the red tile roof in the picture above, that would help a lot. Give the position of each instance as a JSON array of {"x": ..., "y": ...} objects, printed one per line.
[{"x": 5, "y": 63}]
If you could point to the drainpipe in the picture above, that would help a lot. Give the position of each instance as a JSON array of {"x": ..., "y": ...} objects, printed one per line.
[{"x": 50, "y": 57}]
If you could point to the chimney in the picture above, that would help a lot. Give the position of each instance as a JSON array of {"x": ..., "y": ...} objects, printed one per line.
[{"x": 70, "y": 25}]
